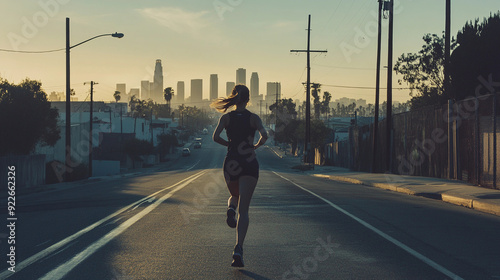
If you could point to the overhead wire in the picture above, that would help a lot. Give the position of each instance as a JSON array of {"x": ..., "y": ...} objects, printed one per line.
[{"x": 18, "y": 51}]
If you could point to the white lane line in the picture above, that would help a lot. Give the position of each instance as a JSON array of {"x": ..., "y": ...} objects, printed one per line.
[
  {"x": 62, "y": 270},
  {"x": 42, "y": 254},
  {"x": 382, "y": 234},
  {"x": 149, "y": 200},
  {"x": 193, "y": 165}
]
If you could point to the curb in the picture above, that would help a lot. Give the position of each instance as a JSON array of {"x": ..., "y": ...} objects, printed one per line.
[
  {"x": 486, "y": 207},
  {"x": 471, "y": 203}
]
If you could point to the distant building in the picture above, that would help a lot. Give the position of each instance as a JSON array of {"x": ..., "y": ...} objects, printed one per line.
[
  {"x": 241, "y": 76},
  {"x": 273, "y": 89},
  {"x": 122, "y": 88},
  {"x": 57, "y": 96},
  {"x": 348, "y": 101},
  {"x": 151, "y": 91},
  {"x": 157, "y": 91},
  {"x": 196, "y": 91},
  {"x": 229, "y": 87},
  {"x": 214, "y": 87},
  {"x": 180, "y": 92},
  {"x": 145, "y": 94},
  {"x": 84, "y": 106},
  {"x": 361, "y": 102},
  {"x": 133, "y": 92},
  {"x": 254, "y": 86}
]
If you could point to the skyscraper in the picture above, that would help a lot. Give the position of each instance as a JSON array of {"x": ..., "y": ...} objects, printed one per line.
[
  {"x": 229, "y": 87},
  {"x": 133, "y": 92},
  {"x": 145, "y": 95},
  {"x": 180, "y": 92},
  {"x": 273, "y": 88},
  {"x": 214, "y": 87},
  {"x": 196, "y": 91},
  {"x": 122, "y": 88},
  {"x": 241, "y": 76},
  {"x": 254, "y": 86},
  {"x": 157, "y": 91}
]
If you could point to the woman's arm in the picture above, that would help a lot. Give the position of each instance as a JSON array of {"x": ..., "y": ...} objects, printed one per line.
[
  {"x": 262, "y": 131},
  {"x": 218, "y": 130}
]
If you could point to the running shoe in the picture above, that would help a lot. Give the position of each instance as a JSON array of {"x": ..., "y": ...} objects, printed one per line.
[
  {"x": 237, "y": 256},
  {"x": 231, "y": 217}
]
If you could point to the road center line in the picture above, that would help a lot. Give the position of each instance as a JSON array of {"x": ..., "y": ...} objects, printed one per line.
[
  {"x": 44, "y": 253},
  {"x": 381, "y": 234},
  {"x": 193, "y": 165},
  {"x": 65, "y": 268}
]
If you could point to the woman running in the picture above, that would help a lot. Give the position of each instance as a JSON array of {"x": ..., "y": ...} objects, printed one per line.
[{"x": 241, "y": 169}]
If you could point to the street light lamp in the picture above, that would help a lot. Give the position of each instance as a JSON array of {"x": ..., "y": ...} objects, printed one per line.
[{"x": 68, "y": 91}]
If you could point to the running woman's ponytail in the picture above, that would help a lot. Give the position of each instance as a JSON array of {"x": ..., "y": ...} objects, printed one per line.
[{"x": 239, "y": 95}]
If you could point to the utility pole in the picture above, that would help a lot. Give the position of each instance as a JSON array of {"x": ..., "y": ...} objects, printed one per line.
[
  {"x": 260, "y": 101},
  {"x": 377, "y": 87},
  {"x": 276, "y": 116},
  {"x": 307, "y": 139},
  {"x": 267, "y": 116},
  {"x": 92, "y": 83},
  {"x": 389, "y": 88},
  {"x": 447, "y": 92},
  {"x": 447, "y": 50},
  {"x": 68, "y": 105}
]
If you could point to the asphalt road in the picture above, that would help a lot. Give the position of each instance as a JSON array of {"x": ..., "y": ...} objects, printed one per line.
[{"x": 170, "y": 224}]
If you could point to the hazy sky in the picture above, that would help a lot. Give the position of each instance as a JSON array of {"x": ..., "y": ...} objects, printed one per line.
[{"x": 195, "y": 38}]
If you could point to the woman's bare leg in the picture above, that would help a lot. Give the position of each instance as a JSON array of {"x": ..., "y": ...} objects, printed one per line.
[
  {"x": 246, "y": 188},
  {"x": 233, "y": 187}
]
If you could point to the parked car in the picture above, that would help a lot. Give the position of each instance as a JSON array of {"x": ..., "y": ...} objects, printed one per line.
[
  {"x": 198, "y": 139},
  {"x": 186, "y": 152},
  {"x": 197, "y": 144}
]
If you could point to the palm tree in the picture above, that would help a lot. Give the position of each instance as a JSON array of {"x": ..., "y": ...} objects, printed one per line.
[
  {"x": 315, "y": 90},
  {"x": 325, "y": 104},
  {"x": 117, "y": 96},
  {"x": 168, "y": 94}
]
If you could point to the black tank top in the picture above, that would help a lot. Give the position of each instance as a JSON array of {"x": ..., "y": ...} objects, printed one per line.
[{"x": 240, "y": 134}]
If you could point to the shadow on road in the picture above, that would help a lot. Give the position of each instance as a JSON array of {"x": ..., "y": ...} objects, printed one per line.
[{"x": 242, "y": 272}]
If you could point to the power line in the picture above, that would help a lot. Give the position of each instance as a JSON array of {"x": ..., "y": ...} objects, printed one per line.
[
  {"x": 358, "y": 87},
  {"x": 343, "y": 67},
  {"x": 16, "y": 51}
]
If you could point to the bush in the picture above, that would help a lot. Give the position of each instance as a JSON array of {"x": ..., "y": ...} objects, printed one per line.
[{"x": 136, "y": 147}]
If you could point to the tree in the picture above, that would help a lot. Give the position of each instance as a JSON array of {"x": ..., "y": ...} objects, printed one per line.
[
  {"x": 168, "y": 94},
  {"x": 286, "y": 114},
  {"x": 476, "y": 59},
  {"x": 166, "y": 143},
  {"x": 26, "y": 118},
  {"x": 423, "y": 72},
  {"x": 325, "y": 104},
  {"x": 117, "y": 96},
  {"x": 138, "y": 107},
  {"x": 193, "y": 118},
  {"x": 315, "y": 90}
]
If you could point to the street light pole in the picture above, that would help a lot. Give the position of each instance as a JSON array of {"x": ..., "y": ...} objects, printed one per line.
[{"x": 68, "y": 91}]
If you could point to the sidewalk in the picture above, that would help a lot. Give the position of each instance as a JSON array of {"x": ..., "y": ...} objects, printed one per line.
[
  {"x": 455, "y": 192},
  {"x": 47, "y": 188}
]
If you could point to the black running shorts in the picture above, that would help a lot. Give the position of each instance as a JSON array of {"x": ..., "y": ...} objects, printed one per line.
[{"x": 237, "y": 166}]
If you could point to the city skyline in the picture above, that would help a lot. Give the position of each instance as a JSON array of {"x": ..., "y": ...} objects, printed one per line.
[{"x": 195, "y": 39}]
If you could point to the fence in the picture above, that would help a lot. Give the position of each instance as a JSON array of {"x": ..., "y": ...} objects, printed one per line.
[
  {"x": 29, "y": 170},
  {"x": 457, "y": 141}
]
